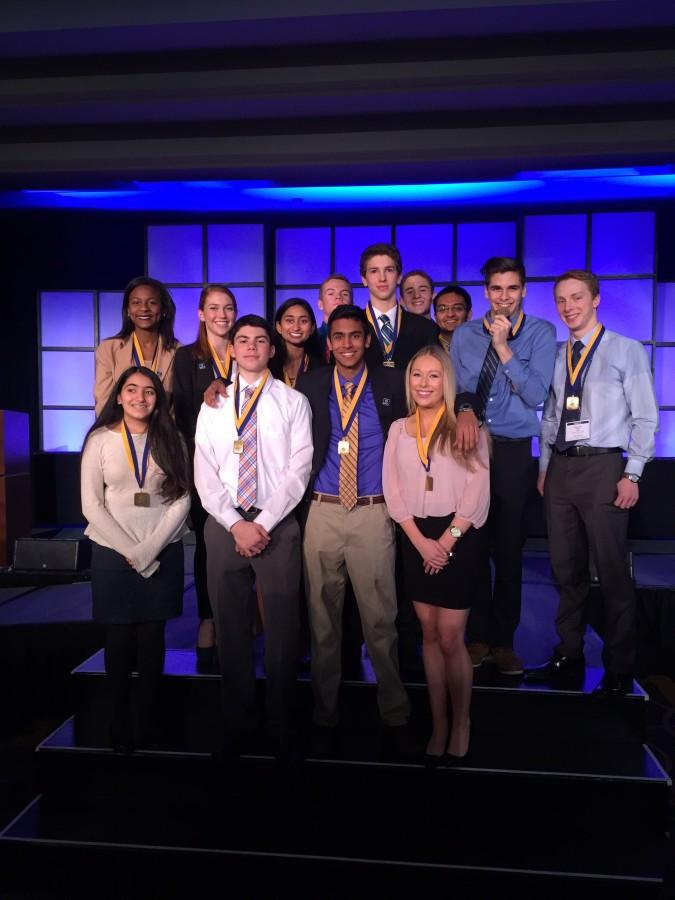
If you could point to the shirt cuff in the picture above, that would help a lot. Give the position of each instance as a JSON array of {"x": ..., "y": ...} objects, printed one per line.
[
  {"x": 267, "y": 520},
  {"x": 634, "y": 466}
]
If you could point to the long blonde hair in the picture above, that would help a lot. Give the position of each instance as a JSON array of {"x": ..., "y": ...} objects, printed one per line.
[{"x": 444, "y": 436}]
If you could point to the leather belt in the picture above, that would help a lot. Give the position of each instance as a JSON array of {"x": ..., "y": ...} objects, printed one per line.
[
  {"x": 362, "y": 501},
  {"x": 582, "y": 450},
  {"x": 249, "y": 514}
]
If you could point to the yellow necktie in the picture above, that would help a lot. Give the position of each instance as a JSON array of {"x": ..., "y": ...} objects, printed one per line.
[{"x": 348, "y": 461}]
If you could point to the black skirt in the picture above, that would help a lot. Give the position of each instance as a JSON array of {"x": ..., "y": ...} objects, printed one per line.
[
  {"x": 123, "y": 597},
  {"x": 454, "y": 586}
]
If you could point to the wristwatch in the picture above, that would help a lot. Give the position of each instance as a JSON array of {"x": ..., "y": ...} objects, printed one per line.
[
  {"x": 631, "y": 477},
  {"x": 455, "y": 532},
  {"x": 465, "y": 407}
]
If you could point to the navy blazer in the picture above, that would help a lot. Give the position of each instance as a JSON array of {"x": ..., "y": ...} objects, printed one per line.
[
  {"x": 388, "y": 392},
  {"x": 191, "y": 377},
  {"x": 416, "y": 332}
]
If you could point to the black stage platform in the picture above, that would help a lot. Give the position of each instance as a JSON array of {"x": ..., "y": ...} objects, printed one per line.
[{"x": 558, "y": 794}]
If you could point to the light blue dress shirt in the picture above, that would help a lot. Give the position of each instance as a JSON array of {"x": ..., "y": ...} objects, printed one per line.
[{"x": 618, "y": 398}]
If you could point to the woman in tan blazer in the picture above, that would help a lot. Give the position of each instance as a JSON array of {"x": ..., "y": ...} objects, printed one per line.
[{"x": 146, "y": 338}]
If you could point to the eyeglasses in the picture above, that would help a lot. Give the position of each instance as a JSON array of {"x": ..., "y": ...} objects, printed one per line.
[{"x": 457, "y": 309}]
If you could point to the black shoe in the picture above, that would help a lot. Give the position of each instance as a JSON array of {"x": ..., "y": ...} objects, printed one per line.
[
  {"x": 558, "y": 670},
  {"x": 449, "y": 760},
  {"x": 433, "y": 760},
  {"x": 612, "y": 686}
]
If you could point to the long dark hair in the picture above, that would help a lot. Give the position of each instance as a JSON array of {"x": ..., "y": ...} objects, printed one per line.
[
  {"x": 166, "y": 446},
  {"x": 201, "y": 345},
  {"x": 312, "y": 344},
  {"x": 165, "y": 328}
]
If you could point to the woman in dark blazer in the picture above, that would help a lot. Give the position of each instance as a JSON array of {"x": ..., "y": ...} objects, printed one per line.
[{"x": 196, "y": 367}]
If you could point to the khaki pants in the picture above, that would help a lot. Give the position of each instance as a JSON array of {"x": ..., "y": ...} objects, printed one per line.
[{"x": 359, "y": 543}]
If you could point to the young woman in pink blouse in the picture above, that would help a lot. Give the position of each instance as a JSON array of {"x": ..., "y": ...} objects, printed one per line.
[{"x": 440, "y": 498}]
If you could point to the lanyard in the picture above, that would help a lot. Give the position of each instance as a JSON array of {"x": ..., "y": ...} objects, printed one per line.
[
  {"x": 423, "y": 443},
  {"x": 347, "y": 413},
  {"x": 132, "y": 456},
  {"x": 241, "y": 419}
]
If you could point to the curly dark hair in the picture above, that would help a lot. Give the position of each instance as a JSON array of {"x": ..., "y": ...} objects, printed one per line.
[
  {"x": 165, "y": 328},
  {"x": 166, "y": 445}
]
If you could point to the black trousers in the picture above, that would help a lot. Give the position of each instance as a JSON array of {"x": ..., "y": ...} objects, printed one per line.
[
  {"x": 495, "y": 614},
  {"x": 579, "y": 498},
  {"x": 230, "y": 579}
]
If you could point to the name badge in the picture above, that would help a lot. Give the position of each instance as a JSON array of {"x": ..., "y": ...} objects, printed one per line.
[
  {"x": 238, "y": 447},
  {"x": 578, "y": 431},
  {"x": 572, "y": 403},
  {"x": 343, "y": 448}
]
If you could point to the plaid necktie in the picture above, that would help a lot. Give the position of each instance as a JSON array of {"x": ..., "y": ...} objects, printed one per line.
[
  {"x": 568, "y": 415},
  {"x": 348, "y": 461},
  {"x": 487, "y": 376},
  {"x": 386, "y": 330},
  {"x": 248, "y": 477}
]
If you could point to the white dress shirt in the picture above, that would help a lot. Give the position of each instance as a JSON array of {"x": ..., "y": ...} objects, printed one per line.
[
  {"x": 391, "y": 314},
  {"x": 284, "y": 454}
]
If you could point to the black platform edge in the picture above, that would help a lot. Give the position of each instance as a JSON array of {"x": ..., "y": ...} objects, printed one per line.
[{"x": 74, "y": 860}]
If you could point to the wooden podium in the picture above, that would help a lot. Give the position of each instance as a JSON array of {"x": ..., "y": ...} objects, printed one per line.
[{"x": 15, "y": 491}]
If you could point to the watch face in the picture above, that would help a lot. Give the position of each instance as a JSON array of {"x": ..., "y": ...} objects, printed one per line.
[{"x": 456, "y": 532}]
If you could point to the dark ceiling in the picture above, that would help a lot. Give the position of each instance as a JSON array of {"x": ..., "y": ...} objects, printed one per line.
[{"x": 332, "y": 92}]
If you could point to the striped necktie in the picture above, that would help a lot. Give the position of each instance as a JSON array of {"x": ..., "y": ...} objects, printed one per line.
[
  {"x": 386, "y": 329},
  {"x": 487, "y": 376},
  {"x": 248, "y": 474},
  {"x": 348, "y": 461}
]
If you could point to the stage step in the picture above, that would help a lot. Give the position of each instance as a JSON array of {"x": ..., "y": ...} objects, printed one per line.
[
  {"x": 623, "y": 784},
  {"x": 501, "y": 706},
  {"x": 345, "y": 826}
]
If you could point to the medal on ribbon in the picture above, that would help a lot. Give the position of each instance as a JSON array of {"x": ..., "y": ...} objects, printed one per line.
[
  {"x": 304, "y": 365},
  {"x": 241, "y": 418},
  {"x": 137, "y": 354},
  {"x": 220, "y": 370},
  {"x": 573, "y": 398},
  {"x": 387, "y": 347},
  {"x": 515, "y": 327},
  {"x": 347, "y": 413},
  {"x": 423, "y": 444},
  {"x": 141, "y": 497}
]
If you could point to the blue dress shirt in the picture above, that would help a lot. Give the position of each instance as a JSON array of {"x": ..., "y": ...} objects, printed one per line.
[
  {"x": 371, "y": 447},
  {"x": 520, "y": 386}
]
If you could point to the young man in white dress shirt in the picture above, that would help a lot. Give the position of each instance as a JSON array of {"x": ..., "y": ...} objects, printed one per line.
[
  {"x": 253, "y": 456},
  {"x": 600, "y": 406}
]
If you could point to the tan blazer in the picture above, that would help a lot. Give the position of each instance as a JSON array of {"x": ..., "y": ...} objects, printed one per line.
[{"x": 113, "y": 356}]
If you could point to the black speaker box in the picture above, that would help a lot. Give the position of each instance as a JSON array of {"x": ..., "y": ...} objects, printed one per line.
[{"x": 51, "y": 555}]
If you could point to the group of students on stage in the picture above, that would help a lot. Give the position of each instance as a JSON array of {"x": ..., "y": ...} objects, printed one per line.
[{"x": 295, "y": 449}]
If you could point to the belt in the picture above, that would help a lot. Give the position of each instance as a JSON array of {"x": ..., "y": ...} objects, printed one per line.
[
  {"x": 507, "y": 440},
  {"x": 249, "y": 514},
  {"x": 362, "y": 501},
  {"x": 582, "y": 450}
]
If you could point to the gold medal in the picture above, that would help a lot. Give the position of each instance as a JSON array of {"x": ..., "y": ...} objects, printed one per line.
[
  {"x": 343, "y": 447},
  {"x": 429, "y": 483},
  {"x": 389, "y": 363},
  {"x": 572, "y": 403},
  {"x": 238, "y": 447},
  {"x": 141, "y": 498}
]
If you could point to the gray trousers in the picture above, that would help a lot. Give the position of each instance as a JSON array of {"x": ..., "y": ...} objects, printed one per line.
[{"x": 230, "y": 583}]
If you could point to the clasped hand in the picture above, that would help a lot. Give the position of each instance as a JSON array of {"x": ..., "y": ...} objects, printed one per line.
[
  {"x": 250, "y": 539},
  {"x": 434, "y": 555}
]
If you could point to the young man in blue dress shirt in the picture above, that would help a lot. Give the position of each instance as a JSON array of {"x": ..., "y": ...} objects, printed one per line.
[
  {"x": 503, "y": 364},
  {"x": 348, "y": 532},
  {"x": 601, "y": 405}
]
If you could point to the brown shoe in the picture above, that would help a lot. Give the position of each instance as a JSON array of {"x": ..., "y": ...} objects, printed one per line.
[
  {"x": 479, "y": 652},
  {"x": 507, "y": 661}
]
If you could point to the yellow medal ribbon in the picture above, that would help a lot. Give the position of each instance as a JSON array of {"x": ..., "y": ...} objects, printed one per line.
[
  {"x": 573, "y": 373},
  {"x": 444, "y": 342},
  {"x": 387, "y": 348},
  {"x": 140, "y": 361},
  {"x": 514, "y": 328},
  {"x": 303, "y": 368},
  {"x": 423, "y": 443},
  {"x": 240, "y": 420},
  {"x": 346, "y": 415},
  {"x": 226, "y": 370}
]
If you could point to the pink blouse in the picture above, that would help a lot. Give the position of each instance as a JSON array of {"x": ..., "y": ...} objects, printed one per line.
[{"x": 464, "y": 491}]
